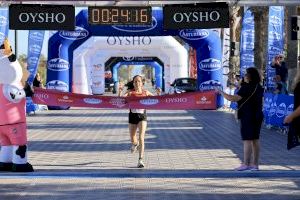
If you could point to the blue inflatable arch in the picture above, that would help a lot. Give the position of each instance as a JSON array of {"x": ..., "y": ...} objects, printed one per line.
[{"x": 62, "y": 44}]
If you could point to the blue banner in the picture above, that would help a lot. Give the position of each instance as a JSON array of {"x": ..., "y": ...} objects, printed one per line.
[
  {"x": 276, "y": 108},
  {"x": 275, "y": 41},
  {"x": 35, "y": 45},
  {"x": 3, "y": 24},
  {"x": 247, "y": 42}
]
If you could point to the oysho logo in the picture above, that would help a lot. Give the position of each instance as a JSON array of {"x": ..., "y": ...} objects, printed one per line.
[
  {"x": 78, "y": 34},
  {"x": 58, "y": 85},
  {"x": 249, "y": 21},
  {"x": 36, "y": 36},
  {"x": 275, "y": 21},
  {"x": 136, "y": 28},
  {"x": 3, "y": 21},
  {"x": 194, "y": 34},
  {"x": 32, "y": 61},
  {"x": 42, "y": 17},
  {"x": 92, "y": 101},
  {"x": 35, "y": 49},
  {"x": 176, "y": 100},
  {"x": 41, "y": 96},
  {"x": 210, "y": 85},
  {"x": 149, "y": 101},
  {"x": 281, "y": 110},
  {"x": 129, "y": 40},
  {"x": 210, "y": 64},
  {"x": 58, "y": 64}
]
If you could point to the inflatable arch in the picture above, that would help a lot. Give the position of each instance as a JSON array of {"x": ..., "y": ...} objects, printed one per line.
[
  {"x": 62, "y": 44},
  {"x": 83, "y": 75},
  {"x": 99, "y": 53}
]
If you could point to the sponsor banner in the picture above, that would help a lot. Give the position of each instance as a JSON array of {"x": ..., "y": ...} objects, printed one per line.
[
  {"x": 3, "y": 24},
  {"x": 35, "y": 45},
  {"x": 276, "y": 108},
  {"x": 41, "y": 17},
  {"x": 194, "y": 100},
  {"x": 247, "y": 42},
  {"x": 275, "y": 41},
  {"x": 195, "y": 16}
]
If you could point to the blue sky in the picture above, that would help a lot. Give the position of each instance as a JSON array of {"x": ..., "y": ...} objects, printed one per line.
[{"x": 22, "y": 38}]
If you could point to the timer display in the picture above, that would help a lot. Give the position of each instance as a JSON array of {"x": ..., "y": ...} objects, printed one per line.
[{"x": 113, "y": 15}]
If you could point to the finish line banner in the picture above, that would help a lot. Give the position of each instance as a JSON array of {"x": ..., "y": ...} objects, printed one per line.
[{"x": 190, "y": 101}]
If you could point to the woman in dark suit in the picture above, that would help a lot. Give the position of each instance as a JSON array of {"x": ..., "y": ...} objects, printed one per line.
[{"x": 249, "y": 99}]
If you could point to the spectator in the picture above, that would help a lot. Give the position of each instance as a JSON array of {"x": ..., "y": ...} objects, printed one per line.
[
  {"x": 280, "y": 69},
  {"x": 37, "y": 82},
  {"x": 249, "y": 98}
]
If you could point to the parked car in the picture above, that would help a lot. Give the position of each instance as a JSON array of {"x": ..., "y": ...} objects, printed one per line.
[{"x": 181, "y": 85}]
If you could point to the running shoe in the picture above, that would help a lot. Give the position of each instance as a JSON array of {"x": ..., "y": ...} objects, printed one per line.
[{"x": 141, "y": 163}]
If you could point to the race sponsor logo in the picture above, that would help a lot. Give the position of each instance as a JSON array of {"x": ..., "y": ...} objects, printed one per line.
[
  {"x": 92, "y": 101},
  {"x": 36, "y": 36},
  {"x": 249, "y": 21},
  {"x": 203, "y": 101},
  {"x": 149, "y": 101},
  {"x": 136, "y": 28},
  {"x": 32, "y": 61},
  {"x": 276, "y": 8},
  {"x": 273, "y": 109},
  {"x": 210, "y": 64},
  {"x": 3, "y": 21},
  {"x": 274, "y": 35},
  {"x": 119, "y": 102},
  {"x": 290, "y": 109},
  {"x": 78, "y": 34},
  {"x": 35, "y": 49},
  {"x": 275, "y": 50},
  {"x": 275, "y": 21},
  {"x": 128, "y": 58},
  {"x": 248, "y": 46},
  {"x": 65, "y": 99},
  {"x": 267, "y": 104},
  {"x": 194, "y": 34},
  {"x": 129, "y": 40},
  {"x": 58, "y": 85},
  {"x": 176, "y": 100},
  {"x": 281, "y": 110},
  {"x": 58, "y": 64},
  {"x": 247, "y": 58},
  {"x": 210, "y": 85},
  {"x": 249, "y": 33},
  {"x": 41, "y": 96}
]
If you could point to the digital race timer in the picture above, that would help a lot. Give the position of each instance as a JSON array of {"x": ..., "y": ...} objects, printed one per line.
[{"x": 113, "y": 15}]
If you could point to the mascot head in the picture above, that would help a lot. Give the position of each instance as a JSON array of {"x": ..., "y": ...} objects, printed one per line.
[{"x": 11, "y": 72}]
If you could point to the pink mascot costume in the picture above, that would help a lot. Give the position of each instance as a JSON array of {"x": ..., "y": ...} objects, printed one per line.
[{"x": 13, "y": 130}]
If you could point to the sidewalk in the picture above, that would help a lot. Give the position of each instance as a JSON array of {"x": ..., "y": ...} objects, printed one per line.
[{"x": 84, "y": 154}]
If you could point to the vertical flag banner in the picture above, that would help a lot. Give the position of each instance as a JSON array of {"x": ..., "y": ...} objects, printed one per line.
[
  {"x": 275, "y": 41},
  {"x": 3, "y": 24},
  {"x": 247, "y": 41},
  {"x": 35, "y": 44}
]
